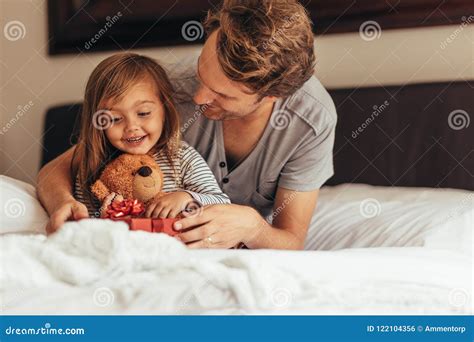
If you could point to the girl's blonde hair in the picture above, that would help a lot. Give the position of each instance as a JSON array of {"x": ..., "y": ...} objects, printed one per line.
[{"x": 110, "y": 80}]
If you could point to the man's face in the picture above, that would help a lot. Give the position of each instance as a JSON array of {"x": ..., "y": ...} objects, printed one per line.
[{"x": 220, "y": 97}]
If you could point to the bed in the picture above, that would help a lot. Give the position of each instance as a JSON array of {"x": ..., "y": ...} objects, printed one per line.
[{"x": 394, "y": 233}]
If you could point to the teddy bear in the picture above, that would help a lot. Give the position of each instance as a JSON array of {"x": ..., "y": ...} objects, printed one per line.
[
  {"x": 138, "y": 180},
  {"x": 131, "y": 176}
]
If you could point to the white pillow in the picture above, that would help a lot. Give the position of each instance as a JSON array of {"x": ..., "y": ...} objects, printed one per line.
[
  {"x": 359, "y": 215},
  {"x": 21, "y": 211}
]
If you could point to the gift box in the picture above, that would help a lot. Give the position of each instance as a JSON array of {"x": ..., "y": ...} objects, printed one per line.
[
  {"x": 164, "y": 226},
  {"x": 129, "y": 211},
  {"x": 141, "y": 224},
  {"x": 150, "y": 225}
]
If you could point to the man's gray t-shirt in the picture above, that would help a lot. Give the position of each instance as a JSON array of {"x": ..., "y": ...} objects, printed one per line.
[{"x": 295, "y": 151}]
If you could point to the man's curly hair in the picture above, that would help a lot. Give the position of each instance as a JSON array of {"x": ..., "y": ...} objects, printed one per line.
[{"x": 265, "y": 44}]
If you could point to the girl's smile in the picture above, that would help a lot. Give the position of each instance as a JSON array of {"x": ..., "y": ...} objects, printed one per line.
[{"x": 135, "y": 141}]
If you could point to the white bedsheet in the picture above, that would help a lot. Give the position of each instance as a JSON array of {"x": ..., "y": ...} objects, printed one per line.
[{"x": 100, "y": 267}]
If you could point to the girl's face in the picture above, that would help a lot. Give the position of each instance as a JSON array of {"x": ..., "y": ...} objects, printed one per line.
[{"x": 137, "y": 119}]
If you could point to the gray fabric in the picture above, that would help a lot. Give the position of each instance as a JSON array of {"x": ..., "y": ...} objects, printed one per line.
[{"x": 298, "y": 157}]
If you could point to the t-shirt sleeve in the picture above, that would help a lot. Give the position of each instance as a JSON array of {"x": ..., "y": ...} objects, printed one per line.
[{"x": 311, "y": 164}]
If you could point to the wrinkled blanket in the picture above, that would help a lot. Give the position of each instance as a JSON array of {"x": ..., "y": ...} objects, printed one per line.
[{"x": 100, "y": 267}]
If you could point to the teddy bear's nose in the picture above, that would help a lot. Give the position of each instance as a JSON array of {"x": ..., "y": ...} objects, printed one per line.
[{"x": 144, "y": 171}]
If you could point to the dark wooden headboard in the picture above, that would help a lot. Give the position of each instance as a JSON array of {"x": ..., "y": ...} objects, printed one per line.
[{"x": 413, "y": 135}]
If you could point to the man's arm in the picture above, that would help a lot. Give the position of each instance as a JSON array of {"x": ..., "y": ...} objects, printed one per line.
[
  {"x": 292, "y": 213},
  {"x": 54, "y": 182},
  {"x": 228, "y": 224},
  {"x": 54, "y": 189}
]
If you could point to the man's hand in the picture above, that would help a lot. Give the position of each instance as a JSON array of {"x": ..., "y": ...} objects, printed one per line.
[
  {"x": 68, "y": 211},
  {"x": 221, "y": 226},
  {"x": 226, "y": 225},
  {"x": 169, "y": 205}
]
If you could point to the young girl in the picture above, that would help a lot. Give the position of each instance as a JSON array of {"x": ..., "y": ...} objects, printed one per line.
[{"x": 128, "y": 108}]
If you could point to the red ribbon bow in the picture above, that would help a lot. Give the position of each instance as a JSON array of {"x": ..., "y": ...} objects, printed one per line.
[{"x": 126, "y": 207}]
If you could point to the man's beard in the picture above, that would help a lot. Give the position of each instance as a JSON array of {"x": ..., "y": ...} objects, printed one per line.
[{"x": 219, "y": 114}]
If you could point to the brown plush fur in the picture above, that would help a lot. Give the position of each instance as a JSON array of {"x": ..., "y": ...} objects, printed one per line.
[{"x": 122, "y": 176}]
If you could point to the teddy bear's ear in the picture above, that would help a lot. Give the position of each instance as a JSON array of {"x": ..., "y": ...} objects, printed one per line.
[{"x": 100, "y": 190}]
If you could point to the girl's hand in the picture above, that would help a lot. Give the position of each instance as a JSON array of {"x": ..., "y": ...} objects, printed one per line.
[
  {"x": 69, "y": 211},
  {"x": 108, "y": 201},
  {"x": 169, "y": 205}
]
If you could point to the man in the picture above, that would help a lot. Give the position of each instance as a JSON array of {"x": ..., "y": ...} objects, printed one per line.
[{"x": 265, "y": 126}]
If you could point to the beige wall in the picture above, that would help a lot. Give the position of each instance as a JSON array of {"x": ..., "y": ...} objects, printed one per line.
[{"x": 27, "y": 73}]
